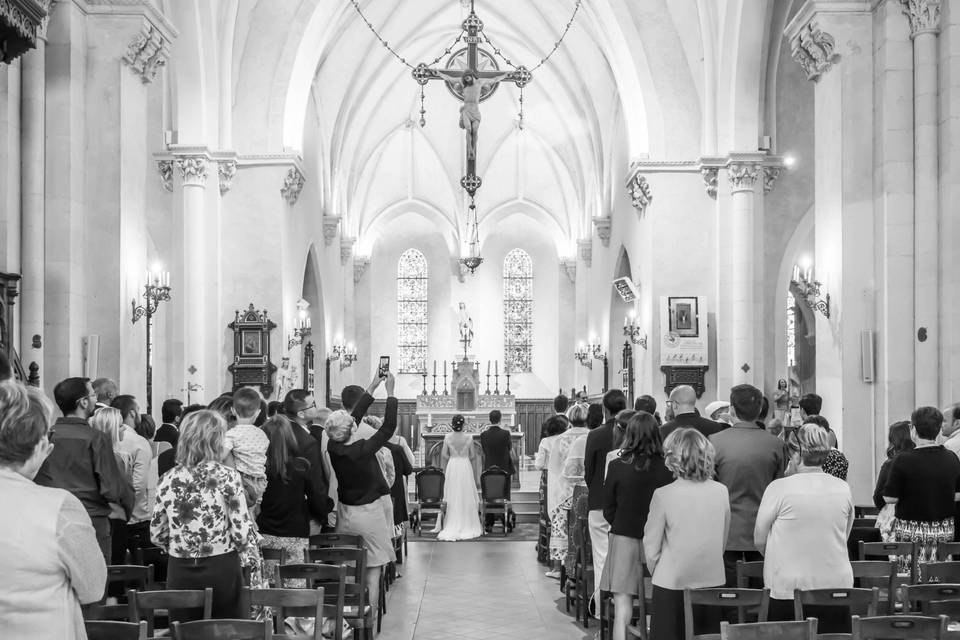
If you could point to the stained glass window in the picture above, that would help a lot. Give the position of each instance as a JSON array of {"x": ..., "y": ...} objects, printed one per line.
[
  {"x": 412, "y": 312},
  {"x": 518, "y": 311}
]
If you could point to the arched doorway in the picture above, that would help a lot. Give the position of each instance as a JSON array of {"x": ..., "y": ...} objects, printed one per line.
[
  {"x": 620, "y": 351},
  {"x": 314, "y": 375}
]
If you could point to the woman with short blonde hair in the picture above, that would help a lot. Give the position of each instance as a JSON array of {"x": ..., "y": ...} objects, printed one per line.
[
  {"x": 109, "y": 421},
  {"x": 339, "y": 425},
  {"x": 201, "y": 517},
  {"x": 685, "y": 534}
]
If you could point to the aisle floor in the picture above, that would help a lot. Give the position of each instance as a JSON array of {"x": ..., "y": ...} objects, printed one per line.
[{"x": 476, "y": 591}]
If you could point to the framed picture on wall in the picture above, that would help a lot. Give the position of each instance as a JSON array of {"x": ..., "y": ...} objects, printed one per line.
[
  {"x": 684, "y": 317},
  {"x": 251, "y": 343}
]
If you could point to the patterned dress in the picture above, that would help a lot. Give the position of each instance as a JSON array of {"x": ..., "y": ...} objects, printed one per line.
[{"x": 565, "y": 472}]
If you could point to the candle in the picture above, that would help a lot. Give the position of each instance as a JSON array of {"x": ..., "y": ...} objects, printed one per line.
[
  {"x": 488, "y": 367},
  {"x": 434, "y": 367},
  {"x": 796, "y": 273},
  {"x": 496, "y": 367},
  {"x": 626, "y": 321},
  {"x": 444, "y": 368}
]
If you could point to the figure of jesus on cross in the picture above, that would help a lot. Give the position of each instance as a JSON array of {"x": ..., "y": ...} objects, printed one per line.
[{"x": 471, "y": 85}]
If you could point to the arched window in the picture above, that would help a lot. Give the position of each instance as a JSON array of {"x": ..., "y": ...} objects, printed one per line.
[
  {"x": 518, "y": 311},
  {"x": 412, "y": 312}
]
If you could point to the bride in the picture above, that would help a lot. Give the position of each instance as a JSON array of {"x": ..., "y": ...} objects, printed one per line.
[{"x": 462, "y": 521}]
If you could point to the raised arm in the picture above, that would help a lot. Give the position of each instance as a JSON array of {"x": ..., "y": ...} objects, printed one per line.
[
  {"x": 385, "y": 432},
  {"x": 363, "y": 405}
]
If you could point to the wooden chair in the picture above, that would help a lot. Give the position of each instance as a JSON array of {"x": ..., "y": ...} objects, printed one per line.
[
  {"x": 355, "y": 559},
  {"x": 272, "y": 555},
  {"x": 428, "y": 496},
  {"x": 864, "y": 510},
  {"x": 747, "y": 570},
  {"x": 864, "y": 523},
  {"x": 923, "y": 594},
  {"x": 727, "y": 598},
  {"x": 129, "y": 576},
  {"x": 348, "y": 598},
  {"x": 579, "y": 587},
  {"x": 949, "y": 608},
  {"x": 301, "y": 603},
  {"x": 222, "y": 629},
  {"x": 114, "y": 630},
  {"x": 495, "y": 497},
  {"x": 899, "y": 628},
  {"x": 947, "y": 549},
  {"x": 801, "y": 630},
  {"x": 158, "y": 558},
  {"x": 870, "y": 573},
  {"x": 886, "y": 549},
  {"x": 337, "y": 540},
  {"x": 855, "y": 601},
  {"x": 144, "y": 605},
  {"x": 939, "y": 572}
]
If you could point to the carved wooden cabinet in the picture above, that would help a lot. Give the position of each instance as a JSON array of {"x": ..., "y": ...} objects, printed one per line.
[{"x": 251, "y": 350}]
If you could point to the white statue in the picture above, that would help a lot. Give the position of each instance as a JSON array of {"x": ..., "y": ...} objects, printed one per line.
[
  {"x": 466, "y": 326},
  {"x": 287, "y": 377},
  {"x": 472, "y": 87}
]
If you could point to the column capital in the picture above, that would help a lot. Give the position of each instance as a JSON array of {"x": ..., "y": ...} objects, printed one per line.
[
  {"x": 193, "y": 170},
  {"x": 360, "y": 264},
  {"x": 346, "y": 249},
  {"x": 292, "y": 185},
  {"x": 710, "y": 178},
  {"x": 770, "y": 175},
  {"x": 813, "y": 49},
  {"x": 165, "y": 167},
  {"x": 585, "y": 250},
  {"x": 569, "y": 268},
  {"x": 924, "y": 16},
  {"x": 602, "y": 226},
  {"x": 330, "y": 224},
  {"x": 743, "y": 175},
  {"x": 226, "y": 170},
  {"x": 148, "y": 52},
  {"x": 640, "y": 193}
]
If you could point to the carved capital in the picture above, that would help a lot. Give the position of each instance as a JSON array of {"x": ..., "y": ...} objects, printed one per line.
[
  {"x": 292, "y": 185},
  {"x": 569, "y": 267},
  {"x": 602, "y": 226},
  {"x": 585, "y": 251},
  {"x": 924, "y": 16},
  {"x": 165, "y": 167},
  {"x": 147, "y": 52},
  {"x": 330, "y": 224},
  {"x": 742, "y": 175},
  {"x": 710, "y": 176},
  {"x": 226, "y": 170},
  {"x": 640, "y": 193},
  {"x": 770, "y": 175},
  {"x": 346, "y": 249},
  {"x": 813, "y": 49},
  {"x": 359, "y": 268},
  {"x": 193, "y": 170}
]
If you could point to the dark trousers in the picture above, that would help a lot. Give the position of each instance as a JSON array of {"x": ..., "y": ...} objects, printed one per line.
[
  {"x": 666, "y": 616},
  {"x": 222, "y": 573},
  {"x": 101, "y": 526},
  {"x": 138, "y": 536},
  {"x": 119, "y": 537},
  {"x": 730, "y": 559}
]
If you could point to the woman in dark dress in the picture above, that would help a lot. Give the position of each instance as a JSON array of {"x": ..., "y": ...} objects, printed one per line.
[{"x": 899, "y": 440}]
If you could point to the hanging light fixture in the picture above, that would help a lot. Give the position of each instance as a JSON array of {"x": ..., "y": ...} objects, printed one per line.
[{"x": 473, "y": 258}]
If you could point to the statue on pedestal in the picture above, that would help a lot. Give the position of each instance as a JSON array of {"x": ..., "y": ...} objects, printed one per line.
[{"x": 465, "y": 322}]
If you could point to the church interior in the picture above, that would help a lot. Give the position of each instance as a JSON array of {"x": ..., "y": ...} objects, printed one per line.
[{"x": 507, "y": 200}]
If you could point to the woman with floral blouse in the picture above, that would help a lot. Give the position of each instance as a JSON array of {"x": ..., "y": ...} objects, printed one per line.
[{"x": 201, "y": 519}]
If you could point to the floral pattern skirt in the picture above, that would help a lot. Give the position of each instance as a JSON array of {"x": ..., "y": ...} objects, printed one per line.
[
  {"x": 296, "y": 552},
  {"x": 927, "y": 535},
  {"x": 543, "y": 540},
  {"x": 559, "y": 530}
]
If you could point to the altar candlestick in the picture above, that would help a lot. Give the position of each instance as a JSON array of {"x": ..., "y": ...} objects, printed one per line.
[
  {"x": 496, "y": 367},
  {"x": 488, "y": 367},
  {"x": 434, "y": 367}
]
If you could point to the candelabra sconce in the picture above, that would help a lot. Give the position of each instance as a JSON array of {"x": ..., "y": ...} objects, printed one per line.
[
  {"x": 155, "y": 291},
  {"x": 583, "y": 356},
  {"x": 632, "y": 330},
  {"x": 346, "y": 354},
  {"x": 302, "y": 329},
  {"x": 806, "y": 288},
  {"x": 598, "y": 352}
]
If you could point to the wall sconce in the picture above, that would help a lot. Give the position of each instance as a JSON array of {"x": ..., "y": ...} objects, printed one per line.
[
  {"x": 631, "y": 330},
  {"x": 597, "y": 350},
  {"x": 302, "y": 328},
  {"x": 346, "y": 354},
  {"x": 804, "y": 285},
  {"x": 583, "y": 356},
  {"x": 155, "y": 290}
]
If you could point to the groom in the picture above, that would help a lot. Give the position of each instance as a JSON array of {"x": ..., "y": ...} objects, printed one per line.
[{"x": 497, "y": 446}]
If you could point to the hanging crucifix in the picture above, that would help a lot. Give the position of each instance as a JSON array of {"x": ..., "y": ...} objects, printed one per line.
[{"x": 471, "y": 75}]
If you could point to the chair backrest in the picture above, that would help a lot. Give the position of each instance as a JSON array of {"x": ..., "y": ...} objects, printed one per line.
[
  {"x": 864, "y": 510},
  {"x": 747, "y": 570},
  {"x": 923, "y": 594},
  {"x": 278, "y": 555},
  {"x": 353, "y": 558},
  {"x": 333, "y": 579},
  {"x": 802, "y": 630},
  {"x": 858, "y": 601},
  {"x": 131, "y": 576},
  {"x": 899, "y": 628},
  {"x": 870, "y": 573},
  {"x": 337, "y": 540},
  {"x": 940, "y": 572},
  {"x": 429, "y": 485},
  {"x": 864, "y": 523},
  {"x": 494, "y": 484},
  {"x": 301, "y": 603},
  {"x": 217, "y": 629},
  {"x": 113, "y": 630},
  {"x": 143, "y": 604},
  {"x": 886, "y": 549},
  {"x": 158, "y": 558},
  {"x": 947, "y": 549},
  {"x": 949, "y": 608},
  {"x": 740, "y": 598}
]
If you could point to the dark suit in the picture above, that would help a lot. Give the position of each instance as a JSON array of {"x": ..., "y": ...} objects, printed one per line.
[
  {"x": 704, "y": 425},
  {"x": 318, "y": 492},
  {"x": 599, "y": 444},
  {"x": 167, "y": 433},
  {"x": 496, "y": 445}
]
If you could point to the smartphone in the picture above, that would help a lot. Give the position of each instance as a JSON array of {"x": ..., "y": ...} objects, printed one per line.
[{"x": 384, "y": 367}]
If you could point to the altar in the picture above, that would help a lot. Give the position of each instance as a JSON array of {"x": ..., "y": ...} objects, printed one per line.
[{"x": 435, "y": 410}]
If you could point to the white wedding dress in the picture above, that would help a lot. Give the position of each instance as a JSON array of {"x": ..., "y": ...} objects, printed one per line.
[{"x": 462, "y": 521}]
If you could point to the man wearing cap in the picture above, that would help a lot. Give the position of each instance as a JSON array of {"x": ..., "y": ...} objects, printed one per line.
[{"x": 83, "y": 462}]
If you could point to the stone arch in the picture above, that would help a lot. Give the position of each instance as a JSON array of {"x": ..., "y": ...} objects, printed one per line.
[
  {"x": 618, "y": 310},
  {"x": 799, "y": 243},
  {"x": 311, "y": 290}
]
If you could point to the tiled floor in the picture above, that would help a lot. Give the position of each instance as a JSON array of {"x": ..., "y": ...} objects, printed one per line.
[{"x": 476, "y": 591}]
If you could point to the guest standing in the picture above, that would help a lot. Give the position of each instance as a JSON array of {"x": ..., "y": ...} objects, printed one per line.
[
  {"x": 685, "y": 535},
  {"x": 627, "y": 490},
  {"x": 201, "y": 517},
  {"x": 683, "y": 400},
  {"x": 802, "y": 527},
  {"x": 923, "y": 484},
  {"x": 170, "y": 412},
  {"x": 141, "y": 456},
  {"x": 50, "y": 557},
  {"x": 553, "y": 427},
  {"x": 565, "y": 471},
  {"x": 109, "y": 422},
  {"x": 747, "y": 460},
  {"x": 599, "y": 444}
]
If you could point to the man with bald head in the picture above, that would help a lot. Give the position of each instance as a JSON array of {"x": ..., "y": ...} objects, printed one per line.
[{"x": 683, "y": 401}]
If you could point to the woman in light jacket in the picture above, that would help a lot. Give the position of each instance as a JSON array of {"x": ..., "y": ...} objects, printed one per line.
[
  {"x": 50, "y": 559},
  {"x": 685, "y": 534}
]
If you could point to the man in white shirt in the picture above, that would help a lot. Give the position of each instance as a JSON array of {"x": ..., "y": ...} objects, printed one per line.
[{"x": 138, "y": 449}]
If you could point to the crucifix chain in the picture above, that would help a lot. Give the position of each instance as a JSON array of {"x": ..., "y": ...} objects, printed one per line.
[
  {"x": 387, "y": 46},
  {"x": 556, "y": 45}
]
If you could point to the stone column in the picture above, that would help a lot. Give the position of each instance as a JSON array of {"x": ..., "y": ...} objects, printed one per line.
[
  {"x": 924, "y": 16},
  {"x": 32, "y": 212},
  {"x": 742, "y": 174},
  {"x": 193, "y": 171}
]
